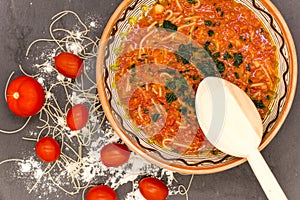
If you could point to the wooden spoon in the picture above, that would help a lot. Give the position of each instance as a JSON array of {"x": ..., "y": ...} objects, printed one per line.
[{"x": 231, "y": 122}]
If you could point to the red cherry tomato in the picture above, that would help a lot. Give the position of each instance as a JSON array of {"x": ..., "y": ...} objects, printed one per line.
[
  {"x": 25, "y": 96},
  {"x": 114, "y": 155},
  {"x": 77, "y": 117},
  {"x": 47, "y": 149},
  {"x": 101, "y": 192},
  {"x": 153, "y": 189},
  {"x": 68, "y": 64}
]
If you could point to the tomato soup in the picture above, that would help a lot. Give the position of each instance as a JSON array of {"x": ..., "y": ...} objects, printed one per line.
[{"x": 172, "y": 47}]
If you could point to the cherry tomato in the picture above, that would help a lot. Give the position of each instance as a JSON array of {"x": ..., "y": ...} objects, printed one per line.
[
  {"x": 25, "y": 96},
  {"x": 77, "y": 117},
  {"x": 68, "y": 64},
  {"x": 114, "y": 155},
  {"x": 47, "y": 149},
  {"x": 153, "y": 189},
  {"x": 101, "y": 192}
]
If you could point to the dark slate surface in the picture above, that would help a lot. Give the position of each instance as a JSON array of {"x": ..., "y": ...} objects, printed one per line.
[{"x": 25, "y": 20}]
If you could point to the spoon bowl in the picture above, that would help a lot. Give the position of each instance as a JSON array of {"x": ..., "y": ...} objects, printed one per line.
[
  {"x": 228, "y": 117},
  {"x": 231, "y": 122}
]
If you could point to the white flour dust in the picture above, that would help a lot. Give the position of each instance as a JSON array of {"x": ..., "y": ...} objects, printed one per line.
[
  {"x": 79, "y": 166},
  {"x": 91, "y": 170}
]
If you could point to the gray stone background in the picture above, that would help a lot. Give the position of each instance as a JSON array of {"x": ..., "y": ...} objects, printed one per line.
[{"x": 22, "y": 21}]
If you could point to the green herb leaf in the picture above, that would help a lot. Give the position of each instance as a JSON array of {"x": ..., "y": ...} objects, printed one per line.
[
  {"x": 132, "y": 67},
  {"x": 215, "y": 152},
  {"x": 155, "y": 117},
  {"x": 184, "y": 53},
  {"x": 171, "y": 85},
  {"x": 210, "y": 33},
  {"x": 220, "y": 66},
  {"x": 184, "y": 110},
  {"x": 208, "y": 23},
  {"x": 133, "y": 79},
  {"x": 169, "y": 26},
  {"x": 206, "y": 68},
  {"x": 236, "y": 75},
  {"x": 248, "y": 67},
  {"x": 230, "y": 46},
  {"x": 189, "y": 100},
  {"x": 191, "y": 1},
  {"x": 258, "y": 103},
  {"x": 140, "y": 60},
  {"x": 261, "y": 30},
  {"x": 170, "y": 96},
  {"x": 238, "y": 59},
  {"x": 222, "y": 14},
  {"x": 216, "y": 55},
  {"x": 195, "y": 77},
  {"x": 184, "y": 71},
  {"x": 227, "y": 56},
  {"x": 145, "y": 110},
  {"x": 206, "y": 47}
]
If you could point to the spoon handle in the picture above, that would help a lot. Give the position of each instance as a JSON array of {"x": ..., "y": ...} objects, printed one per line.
[{"x": 265, "y": 176}]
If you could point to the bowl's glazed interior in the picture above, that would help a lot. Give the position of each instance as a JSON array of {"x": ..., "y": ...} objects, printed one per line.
[{"x": 205, "y": 163}]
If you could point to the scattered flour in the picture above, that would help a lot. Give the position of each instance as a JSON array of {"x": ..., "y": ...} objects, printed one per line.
[
  {"x": 80, "y": 164},
  {"x": 89, "y": 169}
]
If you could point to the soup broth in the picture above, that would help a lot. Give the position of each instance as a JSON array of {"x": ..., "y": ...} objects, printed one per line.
[{"x": 172, "y": 47}]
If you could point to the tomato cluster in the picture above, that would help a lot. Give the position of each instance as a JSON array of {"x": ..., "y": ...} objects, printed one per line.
[
  {"x": 77, "y": 117},
  {"x": 153, "y": 189},
  {"x": 25, "y": 97},
  {"x": 47, "y": 149},
  {"x": 101, "y": 192},
  {"x": 68, "y": 64},
  {"x": 114, "y": 155}
]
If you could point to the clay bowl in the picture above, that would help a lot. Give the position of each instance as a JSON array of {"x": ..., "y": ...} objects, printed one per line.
[{"x": 206, "y": 163}]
